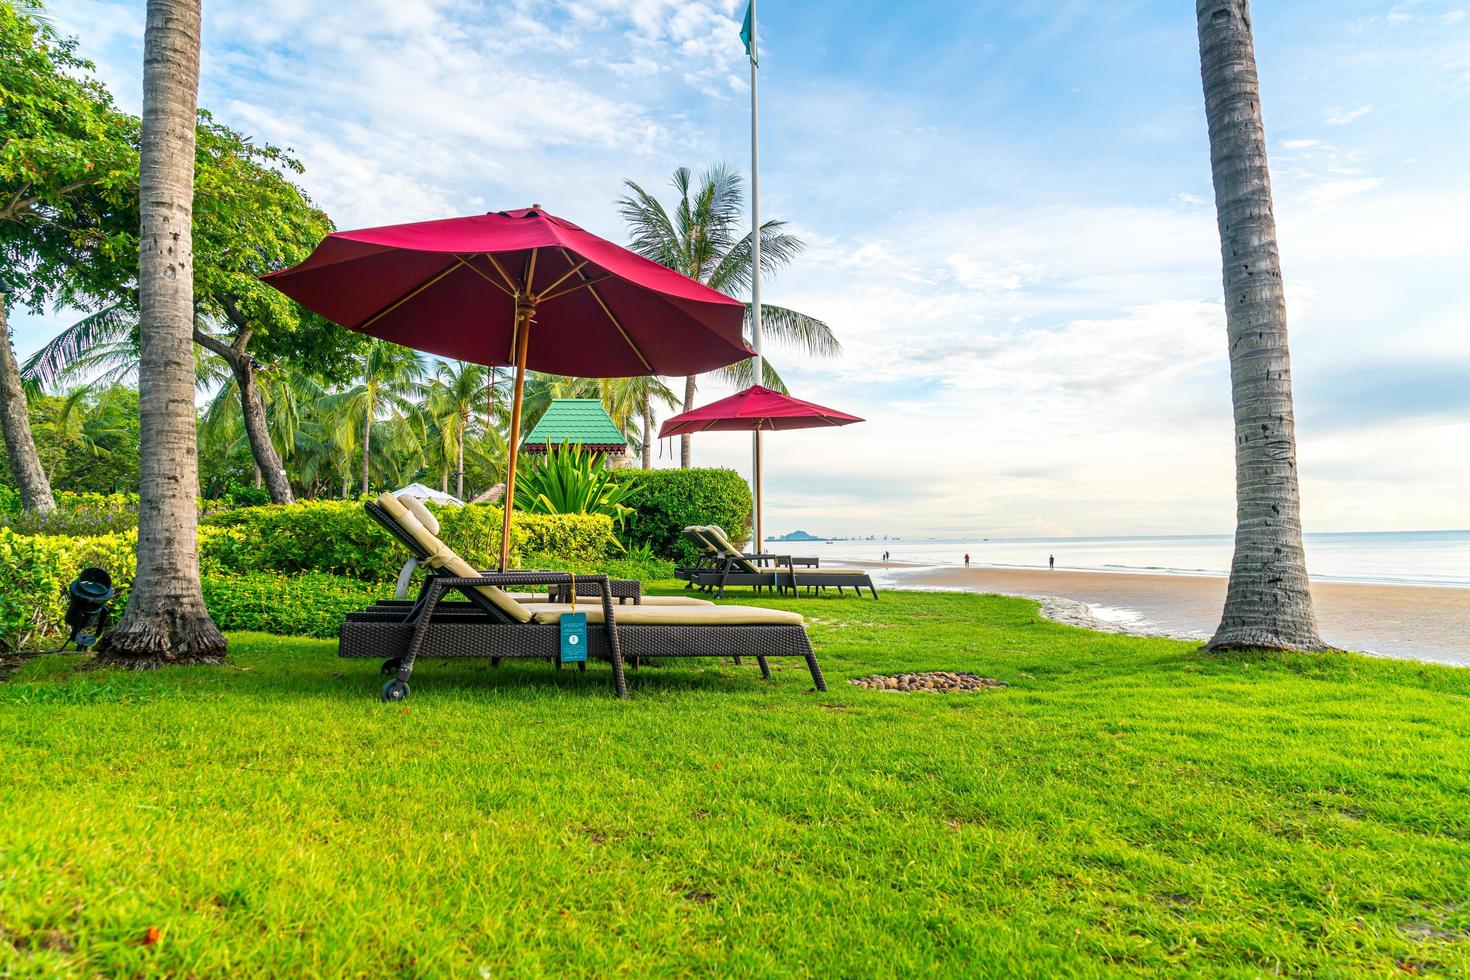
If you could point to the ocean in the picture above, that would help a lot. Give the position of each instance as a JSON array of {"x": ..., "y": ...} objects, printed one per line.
[{"x": 1429, "y": 558}]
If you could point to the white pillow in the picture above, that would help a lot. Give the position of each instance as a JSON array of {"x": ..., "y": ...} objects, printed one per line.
[{"x": 417, "y": 509}]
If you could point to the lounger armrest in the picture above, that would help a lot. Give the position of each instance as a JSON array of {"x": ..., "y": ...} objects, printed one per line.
[{"x": 502, "y": 579}]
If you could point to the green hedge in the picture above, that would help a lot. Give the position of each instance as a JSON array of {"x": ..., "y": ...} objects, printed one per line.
[
  {"x": 338, "y": 537},
  {"x": 34, "y": 571},
  {"x": 668, "y": 501},
  {"x": 308, "y": 604}
]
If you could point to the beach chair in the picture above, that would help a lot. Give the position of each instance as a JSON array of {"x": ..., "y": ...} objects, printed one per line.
[
  {"x": 738, "y": 568},
  {"x": 707, "y": 554},
  {"x": 490, "y": 624},
  {"x": 623, "y": 590}
]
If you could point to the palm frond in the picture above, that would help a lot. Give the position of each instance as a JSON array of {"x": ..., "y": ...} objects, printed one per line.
[
  {"x": 109, "y": 326},
  {"x": 794, "y": 329}
]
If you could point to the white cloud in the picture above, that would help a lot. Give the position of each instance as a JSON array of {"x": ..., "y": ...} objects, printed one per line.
[{"x": 1341, "y": 117}]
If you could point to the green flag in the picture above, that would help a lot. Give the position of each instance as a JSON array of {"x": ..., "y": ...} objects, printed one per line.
[{"x": 747, "y": 33}]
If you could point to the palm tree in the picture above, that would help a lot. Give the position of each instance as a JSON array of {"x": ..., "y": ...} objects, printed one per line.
[
  {"x": 458, "y": 390},
  {"x": 704, "y": 239},
  {"x": 392, "y": 378},
  {"x": 1268, "y": 603},
  {"x": 165, "y": 621}
]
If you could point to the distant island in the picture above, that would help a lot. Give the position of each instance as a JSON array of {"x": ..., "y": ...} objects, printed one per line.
[{"x": 799, "y": 536}]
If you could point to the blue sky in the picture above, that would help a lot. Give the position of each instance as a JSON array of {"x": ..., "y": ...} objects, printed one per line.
[{"x": 1008, "y": 212}]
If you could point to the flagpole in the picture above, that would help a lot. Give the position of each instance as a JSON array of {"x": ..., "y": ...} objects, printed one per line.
[{"x": 753, "y": 50}]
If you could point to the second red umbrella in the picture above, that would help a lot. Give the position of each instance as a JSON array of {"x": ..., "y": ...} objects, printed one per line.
[
  {"x": 521, "y": 288},
  {"x": 756, "y": 409}
]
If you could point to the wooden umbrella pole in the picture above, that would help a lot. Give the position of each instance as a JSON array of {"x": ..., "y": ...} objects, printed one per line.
[{"x": 524, "y": 314}]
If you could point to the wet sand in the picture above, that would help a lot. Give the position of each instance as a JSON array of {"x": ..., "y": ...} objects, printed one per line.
[{"x": 1417, "y": 623}]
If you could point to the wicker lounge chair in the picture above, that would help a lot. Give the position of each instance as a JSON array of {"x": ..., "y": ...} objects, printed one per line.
[
  {"x": 491, "y": 624},
  {"x": 707, "y": 554},
  {"x": 782, "y": 572}
]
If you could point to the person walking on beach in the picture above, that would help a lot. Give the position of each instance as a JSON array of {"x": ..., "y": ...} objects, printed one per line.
[
  {"x": 967, "y": 561},
  {"x": 1051, "y": 562}
]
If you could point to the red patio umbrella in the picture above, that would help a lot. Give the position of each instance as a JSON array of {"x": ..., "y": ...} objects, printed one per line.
[
  {"x": 758, "y": 409},
  {"x": 521, "y": 288}
]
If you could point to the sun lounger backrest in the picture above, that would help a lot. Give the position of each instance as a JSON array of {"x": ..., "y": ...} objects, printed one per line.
[
  {"x": 728, "y": 551},
  {"x": 417, "y": 509},
  {"x": 441, "y": 557}
]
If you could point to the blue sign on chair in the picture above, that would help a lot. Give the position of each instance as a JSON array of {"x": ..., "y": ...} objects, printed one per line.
[{"x": 573, "y": 638}]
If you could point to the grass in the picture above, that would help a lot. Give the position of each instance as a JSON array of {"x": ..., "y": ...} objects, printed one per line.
[{"x": 1126, "y": 805}]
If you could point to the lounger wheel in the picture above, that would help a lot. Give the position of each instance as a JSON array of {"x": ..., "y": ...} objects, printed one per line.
[
  {"x": 395, "y": 690},
  {"x": 390, "y": 666}
]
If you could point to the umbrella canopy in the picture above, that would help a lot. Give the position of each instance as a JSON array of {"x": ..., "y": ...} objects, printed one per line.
[
  {"x": 429, "y": 493},
  {"x": 522, "y": 288},
  {"x": 758, "y": 409},
  {"x": 459, "y": 287}
]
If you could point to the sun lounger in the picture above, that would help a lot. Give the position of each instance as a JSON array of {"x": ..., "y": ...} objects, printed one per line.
[
  {"x": 622, "y": 589},
  {"x": 489, "y": 623},
  {"x": 781, "y": 572},
  {"x": 707, "y": 555}
]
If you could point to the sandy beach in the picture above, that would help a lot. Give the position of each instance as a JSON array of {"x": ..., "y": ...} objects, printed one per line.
[{"x": 1419, "y": 623}]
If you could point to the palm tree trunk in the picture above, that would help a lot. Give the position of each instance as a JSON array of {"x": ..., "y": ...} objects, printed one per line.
[
  {"x": 647, "y": 432},
  {"x": 165, "y": 621},
  {"x": 257, "y": 433},
  {"x": 367, "y": 443},
  {"x": 459, "y": 460},
  {"x": 1268, "y": 603},
  {"x": 15, "y": 420},
  {"x": 686, "y": 457},
  {"x": 347, "y": 481}
]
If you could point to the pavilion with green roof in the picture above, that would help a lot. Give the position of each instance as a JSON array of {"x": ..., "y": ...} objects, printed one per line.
[{"x": 578, "y": 422}]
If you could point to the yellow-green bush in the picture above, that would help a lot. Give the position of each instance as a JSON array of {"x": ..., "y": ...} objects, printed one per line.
[
  {"x": 310, "y": 604},
  {"x": 34, "y": 573}
]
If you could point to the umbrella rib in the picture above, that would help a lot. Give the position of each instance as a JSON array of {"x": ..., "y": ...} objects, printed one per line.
[
  {"x": 498, "y": 268},
  {"x": 484, "y": 275},
  {"x": 598, "y": 296},
  {"x": 571, "y": 289},
  {"x": 404, "y": 299},
  {"x": 563, "y": 278}
]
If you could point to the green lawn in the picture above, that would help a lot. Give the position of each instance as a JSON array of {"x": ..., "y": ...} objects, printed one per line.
[{"x": 1125, "y": 805}]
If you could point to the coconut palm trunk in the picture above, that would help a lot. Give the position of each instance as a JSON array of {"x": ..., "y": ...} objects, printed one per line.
[
  {"x": 267, "y": 460},
  {"x": 647, "y": 409},
  {"x": 367, "y": 444},
  {"x": 686, "y": 456},
  {"x": 1268, "y": 603},
  {"x": 165, "y": 621},
  {"x": 15, "y": 420}
]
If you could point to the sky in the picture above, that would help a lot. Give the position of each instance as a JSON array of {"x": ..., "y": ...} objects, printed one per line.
[{"x": 1008, "y": 217}]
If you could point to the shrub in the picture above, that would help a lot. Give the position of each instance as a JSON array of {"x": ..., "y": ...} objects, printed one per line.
[
  {"x": 81, "y": 515},
  {"x": 240, "y": 495},
  {"x": 309, "y": 604},
  {"x": 338, "y": 537},
  {"x": 35, "y": 570},
  {"x": 667, "y": 501},
  {"x": 9, "y": 501}
]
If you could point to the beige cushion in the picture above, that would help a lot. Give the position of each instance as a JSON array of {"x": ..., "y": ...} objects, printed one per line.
[
  {"x": 442, "y": 558},
  {"x": 417, "y": 509},
  {"x": 550, "y": 612},
  {"x": 830, "y": 571}
]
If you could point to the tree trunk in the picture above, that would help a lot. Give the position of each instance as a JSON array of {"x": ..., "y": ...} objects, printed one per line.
[
  {"x": 685, "y": 455},
  {"x": 267, "y": 460},
  {"x": 1268, "y": 603},
  {"x": 165, "y": 621},
  {"x": 647, "y": 432},
  {"x": 459, "y": 460},
  {"x": 367, "y": 443},
  {"x": 347, "y": 482},
  {"x": 15, "y": 420}
]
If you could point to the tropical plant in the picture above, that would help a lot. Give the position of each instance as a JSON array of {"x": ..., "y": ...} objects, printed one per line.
[
  {"x": 455, "y": 397},
  {"x": 392, "y": 378},
  {"x": 707, "y": 239},
  {"x": 572, "y": 480},
  {"x": 65, "y": 159},
  {"x": 166, "y": 621},
  {"x": 1268, "y": 603}
]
